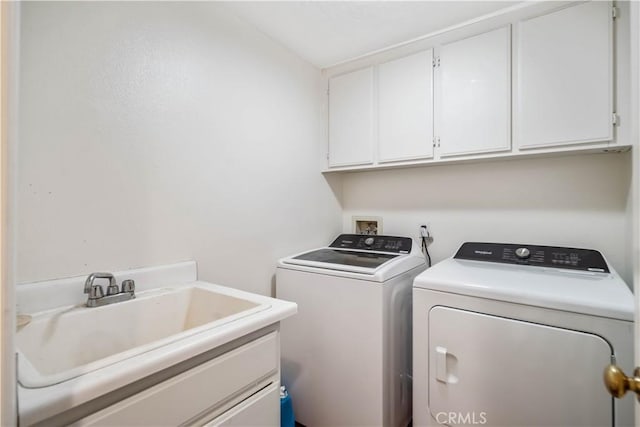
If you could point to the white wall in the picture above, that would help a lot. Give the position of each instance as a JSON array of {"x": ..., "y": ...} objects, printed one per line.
[
  {"x": 156, "y": 132},
  {"x": 9, "y": 23},
  {"x": 577, "y": 201}
]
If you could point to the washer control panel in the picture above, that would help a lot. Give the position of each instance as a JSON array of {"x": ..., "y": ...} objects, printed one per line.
[
  {"x": 542, "y": 256},
  {"x": 399, "y": 245}
]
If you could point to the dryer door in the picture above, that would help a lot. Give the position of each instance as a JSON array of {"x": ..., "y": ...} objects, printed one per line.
[{"x": 496, "y": 371}]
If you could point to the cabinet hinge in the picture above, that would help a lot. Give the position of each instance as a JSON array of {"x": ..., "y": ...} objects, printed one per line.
[
  {"x": 615, "y": 119},
  {"x": 436, "y": 62},
  {"x": 436, "y": 141},
  {"x": 614, "y": 12}
]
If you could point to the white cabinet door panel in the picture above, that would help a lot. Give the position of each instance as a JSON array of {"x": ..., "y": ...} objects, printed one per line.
[
  {"x": 351, "y": 118},
  {"x": 508, "y": 372},
  {"x": 564, "y": 77},
  {"x": 475, "y": 96},
  {"x": 176, "y": 400},
  {"x": 405, "y": 108}
]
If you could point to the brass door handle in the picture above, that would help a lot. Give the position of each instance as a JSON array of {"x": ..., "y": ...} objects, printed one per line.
[{"x": 618, "y": 383}]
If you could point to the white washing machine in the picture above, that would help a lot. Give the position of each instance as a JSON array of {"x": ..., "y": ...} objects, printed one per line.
[
  {"x": 519, "y": 335},
  {"x": 346, "y": 355}
]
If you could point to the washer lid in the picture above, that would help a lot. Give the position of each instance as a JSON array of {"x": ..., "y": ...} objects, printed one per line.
[
  {"x": 375, "y": 266},
  {"x": 350, "y": 258},
  {"x": 593, "y": 293},
  {"x": 374, "y": 258}
]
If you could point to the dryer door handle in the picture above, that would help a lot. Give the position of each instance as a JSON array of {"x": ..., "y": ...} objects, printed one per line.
[
  {"x": 446, "y": 366},
  {"x": 441, "y": 364},
  {"x": 618, "y": 383}
]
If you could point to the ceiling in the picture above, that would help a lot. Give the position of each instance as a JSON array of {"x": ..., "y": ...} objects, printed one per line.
[{"x": 329, "y": 32}]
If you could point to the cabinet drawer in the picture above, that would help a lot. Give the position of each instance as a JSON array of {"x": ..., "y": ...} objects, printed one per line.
[
  {"x": 200, "y": 389},
  {"x": 262, "y": 409}
]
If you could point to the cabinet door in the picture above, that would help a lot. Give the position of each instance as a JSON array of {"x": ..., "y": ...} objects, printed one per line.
[
  {"x": 405, "y": 108},
  {"x": 476, "y": 94},
  {"x": 203, "y": 388},
  {"x": 351, "y": 118},
  {"x": 565, "y": 83}
]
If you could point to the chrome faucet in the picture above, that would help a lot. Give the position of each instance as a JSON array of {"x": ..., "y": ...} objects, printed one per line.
[{"x": 114, "y": 294}]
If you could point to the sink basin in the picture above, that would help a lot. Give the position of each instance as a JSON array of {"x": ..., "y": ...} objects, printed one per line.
[{"x": 62, "y": 344}]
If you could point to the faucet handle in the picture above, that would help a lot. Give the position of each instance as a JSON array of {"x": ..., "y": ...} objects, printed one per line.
[
  {"x": 112, "y": 289},
  {"x": 128, "y": 285},
  {"x": 96, "y": 292}
]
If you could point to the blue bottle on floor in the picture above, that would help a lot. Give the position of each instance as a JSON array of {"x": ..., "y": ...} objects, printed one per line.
[{"x": 287, "y": 418}]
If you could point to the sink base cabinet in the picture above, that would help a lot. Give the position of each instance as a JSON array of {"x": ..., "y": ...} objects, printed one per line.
[{"x": 240, "y": 387}]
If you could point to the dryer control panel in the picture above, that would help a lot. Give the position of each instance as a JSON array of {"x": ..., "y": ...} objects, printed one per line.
[
  {"x": 399, "y": 245},
  {"x": 542, "y": 256}
]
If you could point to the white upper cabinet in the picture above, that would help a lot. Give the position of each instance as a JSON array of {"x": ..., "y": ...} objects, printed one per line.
[
  {"x": 475, "y": 98},
  {"x": 536, "y": 79},
  {"x": 564, "y": 77},
  {"x": 405, "y": 108},
  {"x": 351, "y": 118}
]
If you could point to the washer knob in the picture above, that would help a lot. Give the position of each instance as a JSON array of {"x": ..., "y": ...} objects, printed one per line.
[
  {"x": 369, "y": 241},
  {"x": 523, "y": 253}
]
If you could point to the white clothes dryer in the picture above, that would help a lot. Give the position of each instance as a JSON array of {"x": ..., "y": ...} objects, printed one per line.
[
  {"x": 519, "y": 335},
  {"x": 346, "y": 355}
]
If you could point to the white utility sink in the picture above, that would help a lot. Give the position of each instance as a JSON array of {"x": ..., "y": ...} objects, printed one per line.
[
  {"x": 71, "y": 356},
  {"x": 58, "y": 345}
]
